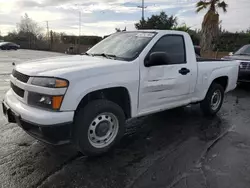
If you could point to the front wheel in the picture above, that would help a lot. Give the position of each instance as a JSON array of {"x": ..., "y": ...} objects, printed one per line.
[
  {"x": 213, "y": 100},
  {"x": 98, "y": 127}
]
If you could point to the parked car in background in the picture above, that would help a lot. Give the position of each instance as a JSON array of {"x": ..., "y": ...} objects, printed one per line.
[
  {"x": 243, "y": 57},
  {"x": 9, "y": 46}
]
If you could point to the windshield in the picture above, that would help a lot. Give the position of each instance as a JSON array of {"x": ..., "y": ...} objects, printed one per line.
[
  {"x": 3, "y": 43},
  {"x": 245, "y": 50},
  {"x": 123, "y": 45}
]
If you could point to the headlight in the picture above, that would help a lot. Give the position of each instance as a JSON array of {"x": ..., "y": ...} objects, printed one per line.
[
  {"x": 45, "y": 101},
  {"x": 49, "y": 82}
]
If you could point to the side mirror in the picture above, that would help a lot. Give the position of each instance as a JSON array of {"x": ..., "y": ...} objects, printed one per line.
[
  {"x": 157, "y": 59},
  {"x": 231, "y": 53}
]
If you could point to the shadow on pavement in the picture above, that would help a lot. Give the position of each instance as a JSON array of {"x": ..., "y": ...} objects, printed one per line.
[
  {"x": 182, "y": 132},
  {"x": 148, "y": 140}
]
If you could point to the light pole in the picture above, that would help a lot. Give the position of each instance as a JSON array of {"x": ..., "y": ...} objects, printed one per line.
[
  {"x": 80, "y": 23},
  {"x": 143, "y": 9},
  {"x": 80, "y": 27}
]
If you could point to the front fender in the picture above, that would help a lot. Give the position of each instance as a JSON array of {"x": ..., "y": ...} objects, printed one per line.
[{"x": 80, "y": 88}]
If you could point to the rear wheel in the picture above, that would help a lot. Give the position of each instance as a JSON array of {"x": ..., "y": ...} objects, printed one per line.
[
  {"x": 98, "y": 127},
  {"x": 213, "y": 100}
]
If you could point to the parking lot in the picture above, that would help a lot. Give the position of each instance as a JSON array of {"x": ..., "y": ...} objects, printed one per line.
[{"x": 174, "y": 149}]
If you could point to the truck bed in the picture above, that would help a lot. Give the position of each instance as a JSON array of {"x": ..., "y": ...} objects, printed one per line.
[{"x": 209, "y": 68}]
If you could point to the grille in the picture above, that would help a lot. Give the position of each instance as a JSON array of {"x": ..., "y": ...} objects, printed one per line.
[
  {"x": 245, "y": 65},
  {"x": 21, "y": 77},
  {"x": 17, "y": 90}
]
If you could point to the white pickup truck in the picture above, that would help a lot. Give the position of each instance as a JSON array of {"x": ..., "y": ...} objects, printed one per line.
[{"x": 86, "y": 99}]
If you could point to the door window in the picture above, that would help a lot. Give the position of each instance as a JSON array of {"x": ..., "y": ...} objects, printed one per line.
[{"x": 174, "y": 46}]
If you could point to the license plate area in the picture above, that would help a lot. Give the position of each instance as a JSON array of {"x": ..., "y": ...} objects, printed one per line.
[
  {"x": 4, "y": 109},
  {"x": 9, "y": 114}
]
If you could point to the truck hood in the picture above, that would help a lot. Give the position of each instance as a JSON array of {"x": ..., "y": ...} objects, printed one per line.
[{"x": 63, "y": 66}]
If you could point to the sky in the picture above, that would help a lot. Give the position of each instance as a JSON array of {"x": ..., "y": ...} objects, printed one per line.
[{"x": 101, "y": 17}]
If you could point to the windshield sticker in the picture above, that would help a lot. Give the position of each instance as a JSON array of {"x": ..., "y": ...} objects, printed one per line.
[{"x": 146, "y": 35}]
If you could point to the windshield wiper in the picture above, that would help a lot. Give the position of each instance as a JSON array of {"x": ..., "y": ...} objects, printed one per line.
[
  {"x": 85, "y": 53},
  {"x": 109, "y": 56}
]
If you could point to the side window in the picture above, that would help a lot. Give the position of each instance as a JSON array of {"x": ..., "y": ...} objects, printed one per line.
[
  {"x": 174, "y": 46},
  {"x": 247, "y": 50}
]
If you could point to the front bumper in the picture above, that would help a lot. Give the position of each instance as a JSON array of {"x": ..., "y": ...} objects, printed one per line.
[
  {"x": 50, "y": 127},
  {"x": 244, "y": 76}
]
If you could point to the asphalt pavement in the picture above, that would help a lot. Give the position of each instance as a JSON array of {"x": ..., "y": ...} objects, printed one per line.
[{"x": 173, "y": 149}]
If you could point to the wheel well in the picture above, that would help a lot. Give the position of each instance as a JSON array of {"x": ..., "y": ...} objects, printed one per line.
[
  {"x": 223, "y": 81},
  {"x": 118, "y": 95}
]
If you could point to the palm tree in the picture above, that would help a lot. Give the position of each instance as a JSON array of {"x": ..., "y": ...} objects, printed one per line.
[{"x": 211, "y": 21}]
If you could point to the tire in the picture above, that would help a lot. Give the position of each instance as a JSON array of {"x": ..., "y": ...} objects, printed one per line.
[
  {"x": 209, "y": 107},
  {"x": 95, "y": 117}
]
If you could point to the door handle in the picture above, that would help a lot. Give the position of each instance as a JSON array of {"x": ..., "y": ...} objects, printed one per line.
[{"x": 184, "y": 71}]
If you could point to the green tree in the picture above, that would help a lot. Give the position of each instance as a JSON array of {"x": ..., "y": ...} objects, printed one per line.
[
  {"x": 210, "y": 25},
  {"x": 248, "y": 30},
  {"x": 1, "y": 37},
  {"x": 11, "y": 36},
  {"x": 194, "y": 34},
  {"x": 29, "y": 26},
  {"x": 161, "y": 21},
  {"x": 182, "y": 27},
  {"x": 29, "y": 30}
]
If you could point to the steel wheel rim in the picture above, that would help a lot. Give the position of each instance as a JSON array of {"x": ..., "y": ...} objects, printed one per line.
[
  {"x": 216, "y": 100},
  {"x": 112, "y": 123}
]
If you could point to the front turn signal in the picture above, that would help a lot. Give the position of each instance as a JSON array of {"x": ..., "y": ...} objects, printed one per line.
[
  {"x": 61, "y": 83},
  {"x": 56, "y": 102}
]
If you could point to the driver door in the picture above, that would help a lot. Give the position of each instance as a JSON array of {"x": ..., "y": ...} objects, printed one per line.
[{"x": 165, "y": 86}]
